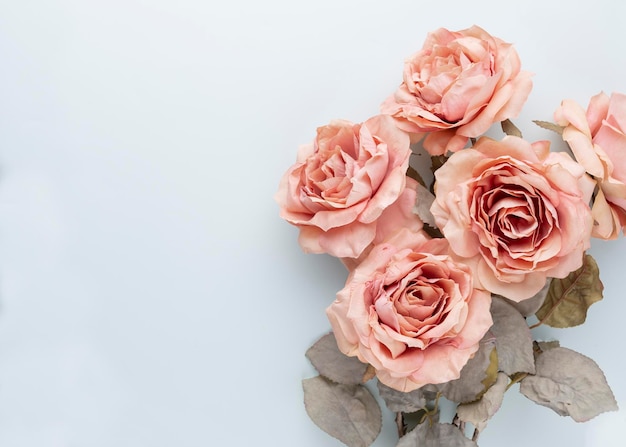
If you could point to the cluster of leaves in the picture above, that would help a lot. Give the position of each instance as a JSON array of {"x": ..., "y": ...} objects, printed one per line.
[{"x": 569, "y": 383}]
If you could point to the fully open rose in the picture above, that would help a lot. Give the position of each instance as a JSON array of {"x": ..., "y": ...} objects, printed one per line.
[
  {"x": 598, "y": 140},
  {"x": 411, "y": 312},
  {"x": 515, "y": 212},
  {"x": 456, "y": 86},
  {"x": 342, "y": 183}
]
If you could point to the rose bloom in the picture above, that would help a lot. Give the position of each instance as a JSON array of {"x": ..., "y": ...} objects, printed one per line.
[
  {"x": 343, "y": 182},
  {"x": 598, "y": 140},
  {"x": 398, "y": 216},
  {"x": 456, "y": 86},
  {"x": 411, "y": 311},
  {"x": 515, "y": 212}
]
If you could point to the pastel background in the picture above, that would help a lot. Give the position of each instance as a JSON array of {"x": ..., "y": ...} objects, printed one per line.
[{"x": 149, "y": 293}]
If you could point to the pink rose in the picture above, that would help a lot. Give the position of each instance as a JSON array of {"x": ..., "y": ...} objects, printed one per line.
[
  {"x": 598, "y": 141},
  {"x": 411, "y": 312},
  {"x": 456, "y": 87},
  {"x": 515, "y": 212},
  {"x": 397, "y": 216},
  {"x": 342, "y": 183}
]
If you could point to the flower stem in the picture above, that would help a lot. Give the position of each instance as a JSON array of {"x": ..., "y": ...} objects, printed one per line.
[
  {"x": 475, "y": 435},
  {"x": 400, "y": 424}
]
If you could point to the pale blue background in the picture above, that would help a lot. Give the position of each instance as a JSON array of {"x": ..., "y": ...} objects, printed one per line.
[{"x": 149, "y": 293}]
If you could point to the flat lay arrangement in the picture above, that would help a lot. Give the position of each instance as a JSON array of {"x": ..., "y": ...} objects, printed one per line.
[{"x": 456, "y": 245}]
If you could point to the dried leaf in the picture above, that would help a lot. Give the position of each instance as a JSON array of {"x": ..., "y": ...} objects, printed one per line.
[
  {"x": 550, "y": 344},
  {"x": 531, "y": 305},
  {"x": 437, "y": 161},
  {"x": 515, "y": 378},
  {"x": 510, "y": 129},
  {"x": 412, "y": 420},
  {"x": 422, "y": 206},
  {"x": 549, "y": 126},
  {"x": 398, "y": 401},
  {"x": 370, "y": 373},
  {"x": 541, "y": 346},
  {"x": 569, "y": 298},
  {"x": 411, "y": 172},
  {"x": 433, "y": 232},
  {"x": 334, "y": 364},
  {"x": 347, "y": 412},
  {"x": 435, "y": 435},
  {"x": 479, "y": 412},
  {"x": 569, "y": 383},
  {"x": 478, "y": 374},
  {"x": 513, "y": 338},
  {"x": 492, "y": 371}
]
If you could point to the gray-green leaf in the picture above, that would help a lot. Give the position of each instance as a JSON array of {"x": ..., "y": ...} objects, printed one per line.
[
  {"x": 569, "y": 298},
  {"x": 475, "y": 376},
  {"x": 333, "y": 364},
  {"x": 398, "y": 401},
  {"x": 513, "y": 339},
  {"x": 435, "y": 435},
  {"x": 479, "y": 412},
  {"x": 531, "y": 305},
  {"x": 423, "y": 202},
  {"x": 569, "y": 383},
  {"x": 347, "y": 412},
  {"x": 411, "y": 172},
  {"x": 541, "y": 346}
]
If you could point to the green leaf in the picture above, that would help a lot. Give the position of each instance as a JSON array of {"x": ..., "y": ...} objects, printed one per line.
[
  {"x": 570, "y": 384},
  {"x": 549, "y": 126},
  {"x": 569, "y": 298},
  {"x": 333, "y": 364},
  {"x": 348, "y": 413},
  {"x": 510, "y": 129}
]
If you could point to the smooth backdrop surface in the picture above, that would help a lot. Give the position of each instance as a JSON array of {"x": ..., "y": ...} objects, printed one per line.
[{"x": 149, "y": 293}]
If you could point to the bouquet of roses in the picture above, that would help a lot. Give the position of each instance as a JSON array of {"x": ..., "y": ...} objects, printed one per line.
[{"x": 456, "y": 246}]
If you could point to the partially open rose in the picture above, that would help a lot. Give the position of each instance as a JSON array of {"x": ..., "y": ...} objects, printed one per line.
[
  {"x": 456, "y": 87},
  {"x": 342, "y": 183},
  {"x": 516, "y": 212},
  {"x": 598, "y": 140},
  {"x": 411, "y": 312}
]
